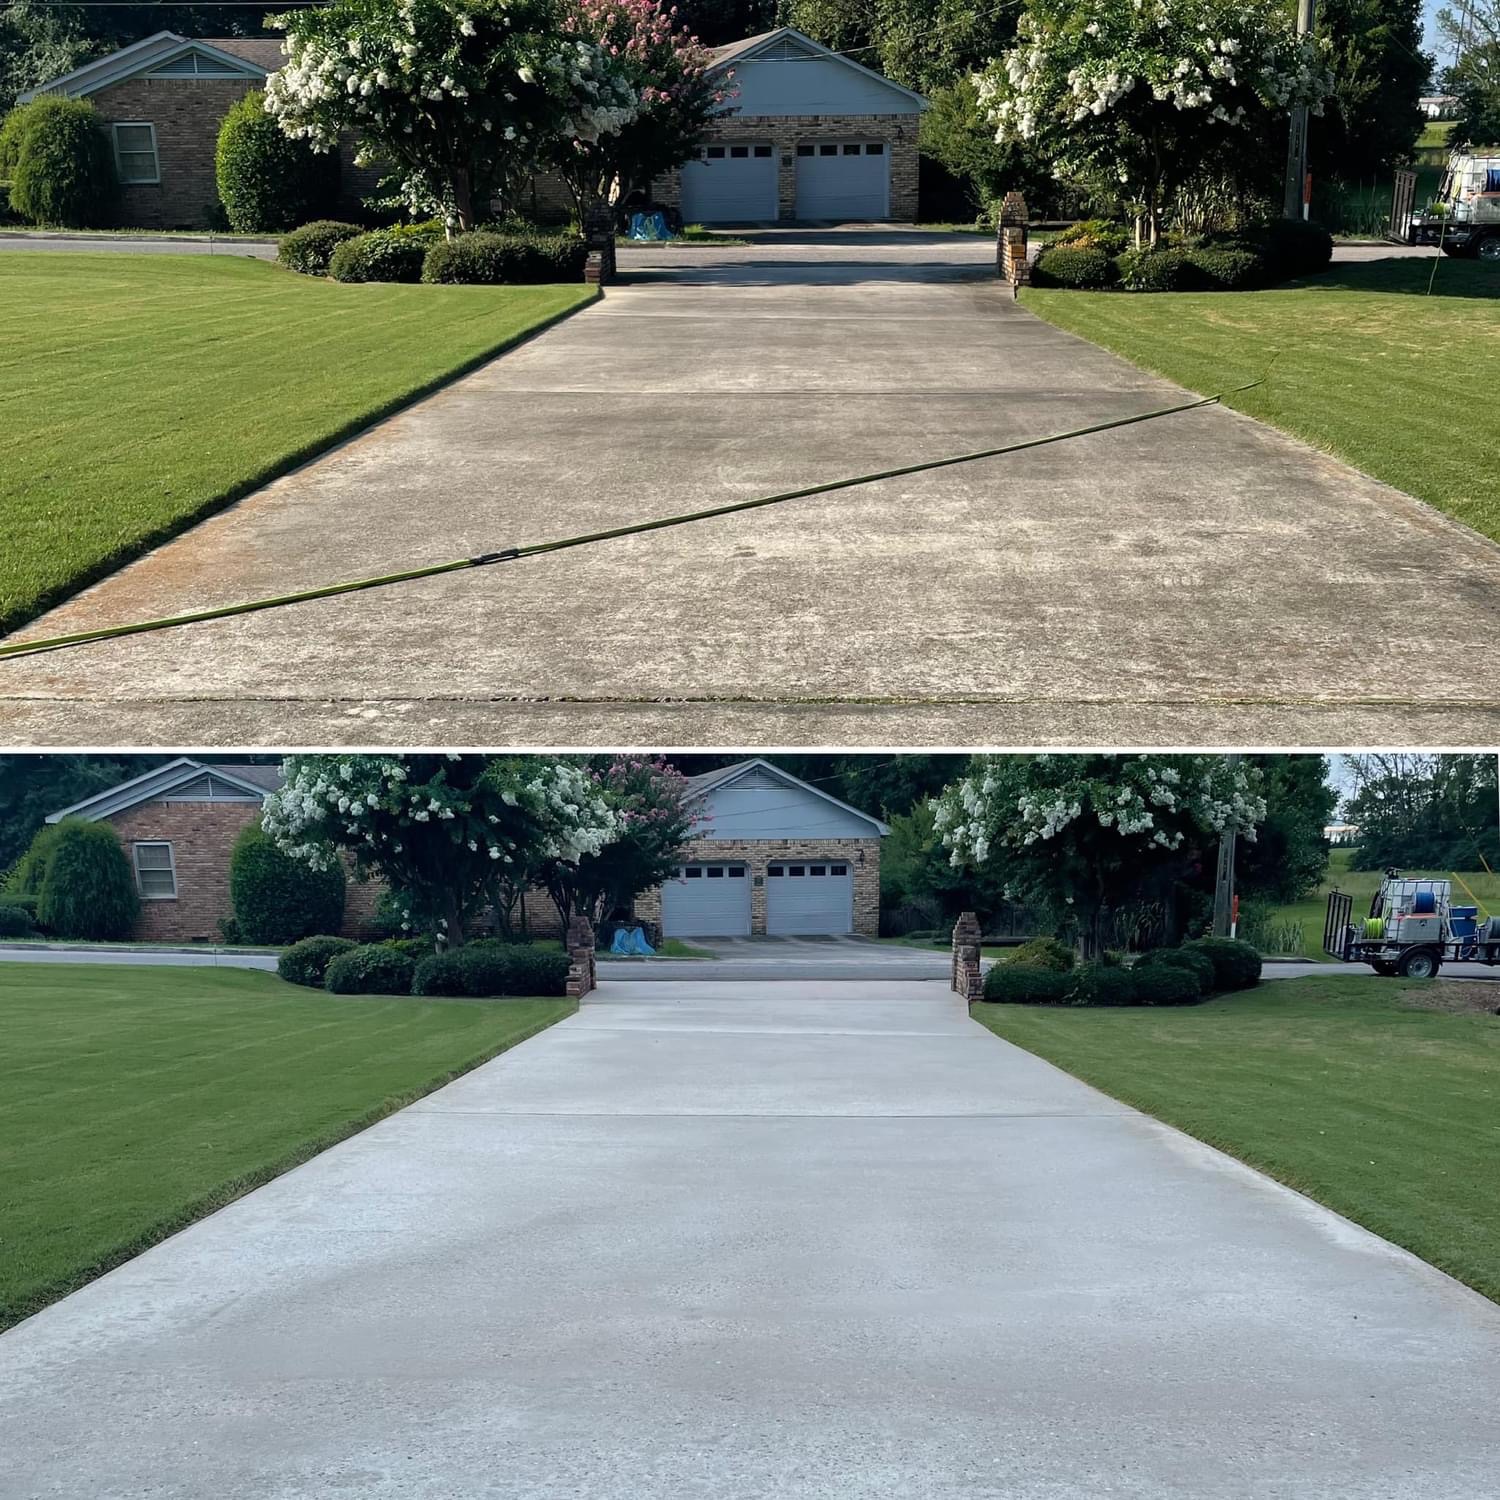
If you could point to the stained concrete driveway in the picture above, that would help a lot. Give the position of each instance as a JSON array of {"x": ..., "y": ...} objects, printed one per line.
[
  {"x": 785, "y": 1241},
  {"x": 1199, "y": 578}
]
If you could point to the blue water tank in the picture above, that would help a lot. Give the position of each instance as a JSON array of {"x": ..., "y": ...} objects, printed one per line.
[
  {"x": 1423, "y": 904},
  {"x": 1463, "y": 921}
]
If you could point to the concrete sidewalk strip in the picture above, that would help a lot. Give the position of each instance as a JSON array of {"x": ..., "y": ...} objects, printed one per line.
[{"x": 547, "y": 1282}]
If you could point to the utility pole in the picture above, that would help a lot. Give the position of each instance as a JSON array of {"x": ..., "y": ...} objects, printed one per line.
[
  {"x": 1294, "y": 205},
  {"x": 1224, "y": 882}
]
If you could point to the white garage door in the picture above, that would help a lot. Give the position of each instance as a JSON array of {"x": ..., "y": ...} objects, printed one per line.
[
  {"x": 809, "y": 898},
  {"x": 843, "y": 180},
  {"x": 706, "y": 901},
  {"x": 730, "y": 185}
]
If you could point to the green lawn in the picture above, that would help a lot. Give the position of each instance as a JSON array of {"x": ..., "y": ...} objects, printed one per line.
[
  {"x": 134, "y": 1100},
  {"x": 140, "y": 392},
  {"x": 1362, "y": 885},
  {"x": 1347, "y": 1089},
  {"x": 1366, "y": 365}
]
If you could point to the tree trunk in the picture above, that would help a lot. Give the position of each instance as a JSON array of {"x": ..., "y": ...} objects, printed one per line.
[{"x": 463, "y": 203}]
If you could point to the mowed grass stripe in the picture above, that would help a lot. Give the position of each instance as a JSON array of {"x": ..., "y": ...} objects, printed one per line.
[
  {"x": 1359, "y": 362},
  {"x": 197, "y": 1084},
  {"x": 143, "y": 392}
]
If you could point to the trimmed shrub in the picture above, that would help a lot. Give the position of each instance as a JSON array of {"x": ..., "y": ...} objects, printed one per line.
[
  {"x": 1164, "y": 984},
  {"x": 1096, "y": 234},
  {"x": 64, "y": 171},
  {"x": 306, "y": 962},
  {"x": 1080, "y": 268},
  {"x": 380, "y": 255},
  {"x": 12, "y": 128},
  {"x": 373, "y": 969},
  {"x": 1170, "y": 270},
  {"x": 1023, "y": 984},
  {"x": 267, "y": 181},
  {"x": 1231, "y": 268},
  {"x": 1295, "y": 247},
  {"x": 484, "y": 258},
  {"x": 24, "y": 884},
  {"x": 1044, "y": 953},
  {"x": 309, "y": 248},
  {"x": 536, "y": 971},
  {"x": 438, "y": 974},
  {"x": 88, "y": 890},
  {"x": 415, "y": 948},
  {"x": 1236, "y": 964},
  {"x": 1102, "y": 984},
  {"x": 229, "y": 931},
  {"x": 483, "y": 968},
  {"x": 15, "y": 921},
  {"x": 1187, "y": 960},
  {"x": 278, "y": 899}
]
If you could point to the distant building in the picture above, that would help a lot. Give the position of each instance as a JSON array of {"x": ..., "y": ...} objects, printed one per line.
[
  {"x": 1438, "y": 106},
  {"x": 1341, "y": 833}
]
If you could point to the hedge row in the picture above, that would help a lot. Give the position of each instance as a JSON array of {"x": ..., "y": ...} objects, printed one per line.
[
  {"x": 1164, "y": 976},
  {"x": 483, "y": 970},
  {"x": 411, "y": 253}
]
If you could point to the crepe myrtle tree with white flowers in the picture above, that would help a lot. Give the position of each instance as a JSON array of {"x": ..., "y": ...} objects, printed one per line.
[
  {"x": 1090, "y": 834},
  {"x": 1137, "y": 94},
  {"x": 458, "y": 97},
  {"x": 444, "y": 831}
]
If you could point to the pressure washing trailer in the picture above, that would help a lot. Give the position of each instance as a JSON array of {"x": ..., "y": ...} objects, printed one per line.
[
  {"x": 1413, "y": 929},
  {"x": 1464, "y": 218}
]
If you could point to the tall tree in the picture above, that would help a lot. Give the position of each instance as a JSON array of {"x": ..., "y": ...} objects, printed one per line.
[
  {"x": 1421, "y": 811},
  {"x": 1289, "y": 857},
  {"x": 721, "y": 21},
  {"x": 31, "y": 786}
]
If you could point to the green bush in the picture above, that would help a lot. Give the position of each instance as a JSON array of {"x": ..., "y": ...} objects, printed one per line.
[
  {"x": 439, "y": 974},
  {"x": 15, "y": 921},
  {"x": 309, "y": 248},
  {"x": 1024, "y": 984},
  {"x": 12, "y": 128},
  {"x": 1164, "y": 984},
  {"x": 415, "y": 948},
  {"x": 493, "y": 968},
  {"x": 373, "y": 969},
  {"x": 1236, "y": 964},
  {"x": 380, "y": 255},
  {"x": 485, "y": 258},
  {"x": 24, "y": 883},
  {"x": 1096, "y": 234},
  {"x": 1079, "y": 268},
  {"x": 1102, "y": 984},
  {"x": 1044, "y": 953},
  {"x": 229, "y": 932},
  {"x": 267, "y": 181},
  {"x": 1187, "y": 960},
  {"x": 1231, "y": 268},
  {"x": 7, "y": 215},
  {"x": 278, "y": 899},
  {"x": 306, "y": 962},
  {"x": 63, "y": 172},
  {"x": 1170, "y": 270},
  {"x": 1295, "y": 247},
  {"x": 88, "y": 890}
]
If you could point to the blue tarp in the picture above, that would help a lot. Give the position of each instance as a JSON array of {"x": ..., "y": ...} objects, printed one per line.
[
  {"x": 631, "y": 942},
  {"x": 649, "y": 227}
]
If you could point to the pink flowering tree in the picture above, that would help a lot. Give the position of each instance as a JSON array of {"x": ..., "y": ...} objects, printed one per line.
[{"x": 667, "y": 69}]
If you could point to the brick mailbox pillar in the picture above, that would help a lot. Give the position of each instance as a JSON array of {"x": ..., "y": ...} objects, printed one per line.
[
  {"x": 1011, "y": 258},
  {"x": 599, "y": 236},
  {"x": 967, "y": 980},
  {"x": 582, "y": 973}
]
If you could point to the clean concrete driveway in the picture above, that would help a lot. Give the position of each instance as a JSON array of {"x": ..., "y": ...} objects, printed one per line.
[
  {"x": 790, "y": 1241},
  {"x": 1195, "y": 579},
  {"x": 805, "y": 958}
]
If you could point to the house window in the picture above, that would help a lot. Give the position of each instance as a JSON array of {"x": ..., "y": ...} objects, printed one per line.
[
  {"x": 736, "y": 872},
  {"x": 804, "y": 150},
  {"x": 135, "y": 152},
  {"x": 828, "y": 150},
  {"x": 875, "y": 148},
  {"x": 155, "y": 874},
  {"x": 713, "y": 153},
  {"x": 838, "y": 869},
  {"x": 762, "y": 150},
  {"x": 852, "y": 150},
  {"x": 738, "y": 151}
]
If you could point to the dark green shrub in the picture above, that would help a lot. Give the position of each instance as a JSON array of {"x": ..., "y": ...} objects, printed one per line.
[
  {"x": 307, "y": 961},
  {"x": 1023, "y": 984},
  {"x": 15, "y": 921},
  {"x": 1102, "y": 984},
  {"x": 309, "y": 248},
  {"x": 278, "y": 899},
  {"x": 64, "y": 171},
  {"x": 7, "y": 215},
  {"x": 1236, "y": 964},
  {"x": 1044, "y": 953},
  {"x": 484, "y": 258},
  {"x": 19, "y": 902},
  {"x": 1170, "y": 270},
  {"x": 1188, "y": 960},
  {"x": 1080, "y": 268},
  {"x": 1163, "y": 984},
  {"x": 483, "y": 967},
  {"x": 1295, "y": 247},
  {"x": 88, "y": 890},
  {"x": 380, "y": 255},
  {"x": 439, "y": 974},
  {"x": 1231, "y": 268},
  {"x": 12, "y": 128},
  {"x": 373, "y": 969},
  {"x": 229, "y": 931},
  {"x": 24, "y": 882},
  {"x": 536, "y": 971},
  {"x": 1096, "y": 234},
  {"x": 415, "y": 948},
  {"x": 267, "y": 181}
]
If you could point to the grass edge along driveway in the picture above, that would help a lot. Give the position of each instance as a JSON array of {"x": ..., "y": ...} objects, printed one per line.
[
  {"x": 141, "y": 393},
  {"x": 1373, "y": 1097},
  {"x": 135, "y": 1100},
  {"x": 1359, "y": 362}
]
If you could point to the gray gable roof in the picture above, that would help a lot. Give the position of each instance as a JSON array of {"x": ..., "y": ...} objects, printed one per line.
[
  {"x": 253, "y": 782},
  {"x": 708, "y": 781},
  {"x": 161, "y": 50},
  {"x": 752, "y": 47}
]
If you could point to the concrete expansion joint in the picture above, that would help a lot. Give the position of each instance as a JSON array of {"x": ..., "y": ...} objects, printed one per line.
[{"x": 774, "y": 1114}]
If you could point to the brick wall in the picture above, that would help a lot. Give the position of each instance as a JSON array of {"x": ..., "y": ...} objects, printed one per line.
[
  {"x": 899, "y": 132},
  {"x": 758, "y": 853}
]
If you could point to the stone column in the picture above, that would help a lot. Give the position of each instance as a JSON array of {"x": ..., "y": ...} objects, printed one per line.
[
  {"x": 1011, "y": 258},
  {"x": 582, "y": 973},
  {"x": 599, "y": 236},
  {"x": 967, "y": 981}
]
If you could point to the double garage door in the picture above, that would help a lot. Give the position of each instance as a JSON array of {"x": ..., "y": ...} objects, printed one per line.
[
  {"x": 802, "y": 897},
  {"x": 837, "y": 180}
]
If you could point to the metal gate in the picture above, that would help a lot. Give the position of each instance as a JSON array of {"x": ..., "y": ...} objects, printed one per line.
[{"x": 1403, "y": 198}]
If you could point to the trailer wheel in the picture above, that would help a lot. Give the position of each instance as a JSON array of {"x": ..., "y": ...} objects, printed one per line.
[
  {"x": 1383, "y": 966},
  {"x": 1488, "y": 248},
  {"x": 1420, "y": 963}
]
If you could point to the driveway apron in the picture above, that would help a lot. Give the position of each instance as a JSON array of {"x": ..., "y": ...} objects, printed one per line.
[
  {"x": 1198, "y": 578},
  {"x": 761, "y": 1240}
]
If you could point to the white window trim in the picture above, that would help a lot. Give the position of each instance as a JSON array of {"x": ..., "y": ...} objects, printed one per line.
[
  {"x": 135, "y": 860},
  {"x": 114, "y": 135}
]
